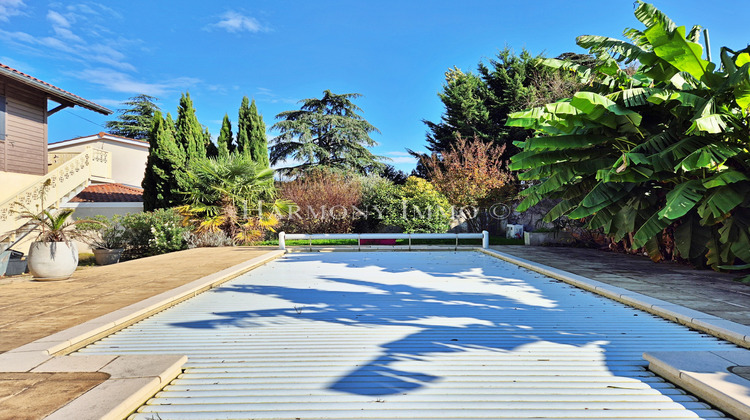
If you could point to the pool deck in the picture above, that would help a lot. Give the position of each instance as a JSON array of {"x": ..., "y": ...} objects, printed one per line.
[{"x": 32, "y": 312}]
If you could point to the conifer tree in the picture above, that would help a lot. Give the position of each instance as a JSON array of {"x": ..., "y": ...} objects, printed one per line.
[
  {"x": 243, "y": 126},
  {"x": 211, "y": 149},
  {"x": 135, "y": 120},
  {"x": 257, "y": 141},
  {"x": 326, "y": 132},
  {"x": 224, "y": 142},
  {"x": 189, "y": 133},
  {"x": 165, "y": 166}
]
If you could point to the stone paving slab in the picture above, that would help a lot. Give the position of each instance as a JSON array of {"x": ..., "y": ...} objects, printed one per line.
[
  {"x": 116, "y": 302},
  {"x": 31, "y": 310},
  {"x": 702, "y": 290},
  {"x": 25, "y": 396}
]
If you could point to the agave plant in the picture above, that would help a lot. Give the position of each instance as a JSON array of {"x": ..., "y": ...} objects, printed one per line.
[
  {"x": 54, "y": 226},
  {"x": 657, "y": 157}
]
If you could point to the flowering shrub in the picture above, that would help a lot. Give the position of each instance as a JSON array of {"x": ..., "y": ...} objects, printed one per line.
[
  {"x": 153, "y": 233},
  {"x": 415, "y": 207}
]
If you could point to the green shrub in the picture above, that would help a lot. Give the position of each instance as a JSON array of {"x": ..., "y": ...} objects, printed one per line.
[
  {"x": 153, "y": 233},
  {"x": 378, "y": 193},
  {"x": 415, "y": 207}
]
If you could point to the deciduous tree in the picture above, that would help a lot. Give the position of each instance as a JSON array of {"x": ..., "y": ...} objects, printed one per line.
[{"x": 471, "y": 175}]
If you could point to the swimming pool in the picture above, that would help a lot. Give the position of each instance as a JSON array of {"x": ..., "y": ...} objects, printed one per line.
[{"x": 408, "y": 335}]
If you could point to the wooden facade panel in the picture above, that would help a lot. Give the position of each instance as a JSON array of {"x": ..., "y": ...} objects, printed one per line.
[
  {"x": 25, "y": 147},
  {"x": 25, "y": 93}
]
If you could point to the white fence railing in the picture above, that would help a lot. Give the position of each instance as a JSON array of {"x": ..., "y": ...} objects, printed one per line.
[{"x": 283, "y": 236}]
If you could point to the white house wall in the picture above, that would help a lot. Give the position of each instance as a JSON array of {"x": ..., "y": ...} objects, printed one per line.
[{"x": 128, "y": 161}]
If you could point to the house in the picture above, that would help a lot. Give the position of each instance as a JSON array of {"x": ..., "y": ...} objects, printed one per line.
[
  {"x": 129, "y": 156},
  {"x": 121, "y": 193},
  {"x": 25, "y": 173}
]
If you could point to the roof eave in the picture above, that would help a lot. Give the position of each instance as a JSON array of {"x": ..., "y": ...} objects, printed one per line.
[{"x": 57, "y": 95}]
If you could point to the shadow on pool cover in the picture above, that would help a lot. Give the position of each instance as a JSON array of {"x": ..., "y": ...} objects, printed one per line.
[{"x": 405, "y": 305}]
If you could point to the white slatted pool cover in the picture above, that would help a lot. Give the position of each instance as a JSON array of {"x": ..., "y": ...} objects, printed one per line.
[{"x": 438, "y": 335}]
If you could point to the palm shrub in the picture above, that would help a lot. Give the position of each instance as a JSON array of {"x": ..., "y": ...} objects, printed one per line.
[
  {"x": 232, "y": 194},
  {"x": 656, "y": 157}
]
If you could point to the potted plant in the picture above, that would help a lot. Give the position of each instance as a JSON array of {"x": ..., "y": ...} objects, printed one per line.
[
  {"x": 54, "y": 254},
  {"x": 108, "y": 241}
]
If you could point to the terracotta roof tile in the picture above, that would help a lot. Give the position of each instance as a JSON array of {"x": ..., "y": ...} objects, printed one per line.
[
  {"x": 109, "y": 193},
  {"x": 64, "y": 93}
]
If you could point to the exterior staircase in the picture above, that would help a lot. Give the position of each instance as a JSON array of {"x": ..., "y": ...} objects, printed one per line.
[{"x": 69, "y": 174}]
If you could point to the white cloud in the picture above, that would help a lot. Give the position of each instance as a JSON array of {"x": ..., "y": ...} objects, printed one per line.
[
  {"x": 10, "y": 8},
  {"x": 108, "y": 102},
  {"x": 122, "y": 82},
  {"x": 399, "y": 157},
  {"x": 19, "y": 65},
  {"x": 270, "y": 97},
  {"x": 234, "y": 22},
  {"x": 58, "y": 19},
  {"x": 404, "y": 154},
  {"x": 403, "y": 159}
]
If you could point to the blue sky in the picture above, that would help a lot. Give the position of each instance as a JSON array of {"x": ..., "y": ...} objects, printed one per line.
[{"x": 394, "y": 53}]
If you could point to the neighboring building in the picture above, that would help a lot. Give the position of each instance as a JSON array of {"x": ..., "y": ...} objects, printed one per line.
[
  {"x": 121, "y": 192},
  {"x": 128, "y": 155},
  {"x": 24, "y": 114},
  {"x": 107, "y": 200}
]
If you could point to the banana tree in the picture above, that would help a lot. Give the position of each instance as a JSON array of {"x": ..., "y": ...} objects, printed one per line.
[{"x": 657, "y": 157}]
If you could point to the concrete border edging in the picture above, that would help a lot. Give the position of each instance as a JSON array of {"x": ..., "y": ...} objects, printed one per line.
[
  {"x": 731, "y": 331},
  {"x": 133, "y": 379},
  {"x": 707, "y": 374}
]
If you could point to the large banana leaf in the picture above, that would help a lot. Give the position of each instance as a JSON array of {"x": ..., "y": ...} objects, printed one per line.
[
  {"x": 560, "y": 209},
  {"x": 653, "y": 226},
  {"x": 603, "y": 195},
  {"x": 669, "y": 42},
  {"x": 710, "y": 156},
  {"x": 602, "y": 110},
  {"x": 564, "y": 142},
  {"x": 691, "y": 238},
  {"x": 729, "y": 176},
  {"x": 682, "y": 199},
  {"x": 720, "y": 201},
  {"x": 623, "y": 51}
]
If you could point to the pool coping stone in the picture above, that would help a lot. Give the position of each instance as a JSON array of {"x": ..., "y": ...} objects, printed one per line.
[{"x": 133, "y": 378}]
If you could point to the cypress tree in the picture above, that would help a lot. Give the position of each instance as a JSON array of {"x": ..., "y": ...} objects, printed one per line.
[
  {"x": 211, "y": 149},
  {"x": 243, "y": 126},
  {"x": 225, "y": 144},
  {"x": 257, "y": 137},
  {"x": 189, "y": 133},
  {"x": 165, "y": 166}
]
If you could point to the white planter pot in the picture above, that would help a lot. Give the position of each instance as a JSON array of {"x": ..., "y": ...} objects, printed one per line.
[
  {"x": 52, "y": 260},
  {"x": 107, "y": 256}
]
